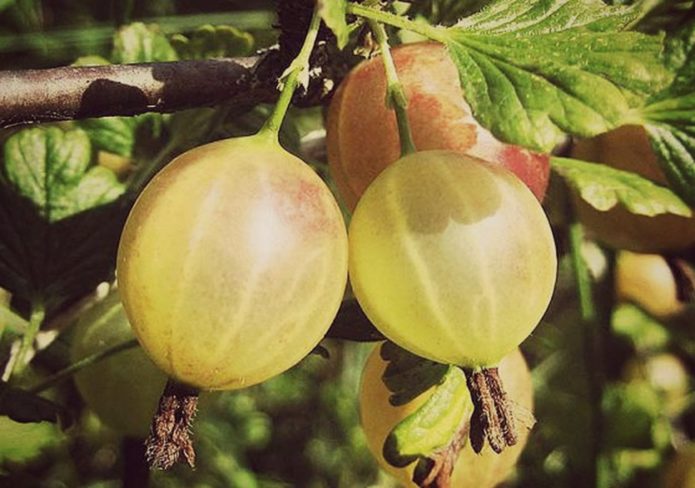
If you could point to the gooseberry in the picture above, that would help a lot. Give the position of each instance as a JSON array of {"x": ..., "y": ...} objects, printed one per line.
[
  {"x": 232, "y": 263},
  {"x": 452, "y": 258},
  {"x": 362, "y": 135},
  {"x": 378, "y": 417},
  {"x": 123, "y": 389},
  {"x": 627, "y": 148}
]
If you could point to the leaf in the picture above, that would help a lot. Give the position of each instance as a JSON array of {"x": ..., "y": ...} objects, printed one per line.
[
  {"x": 113, "y": 134},
  {"x": 640, "y": 328},
  {"x": 60, "y": 219},
  {"x": 631, "y": 411},
  {"x": 51, "y": 168},
  {"x": 22, "y": 406},
  {"x": 433, "y": 425},
  {"x": 21, "y": 442},
  {"x": 535, "y": 70},
  {"x": 670, "y": 117},
  {"x": 140, "y": 43},
  {"x": 407, "y": 376},
  {"x": 333, "y": 13},
  {"x": 604, "y": 187},
  {"x": 12, "y": 321},
  {"x": 213, "y": 42}
]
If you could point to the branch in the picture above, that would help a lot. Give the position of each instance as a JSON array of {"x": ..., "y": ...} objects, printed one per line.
[{"x": 66, "y": 93}]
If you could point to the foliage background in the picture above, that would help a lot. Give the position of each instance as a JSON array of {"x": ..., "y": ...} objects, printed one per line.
[{"x": 621, "y": 413}]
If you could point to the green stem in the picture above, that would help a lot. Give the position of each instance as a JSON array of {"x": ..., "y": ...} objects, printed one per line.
[
  {"x": 422, "y": 28},
  {"x": 395, "y": 95},
  {"x": 38, "y": 313},
  {"x": 581, "y": 273},
  {"x": 82, "y": 363},
  {"x": 299, "y": 66},
  {"x": 593, "y": 356}
]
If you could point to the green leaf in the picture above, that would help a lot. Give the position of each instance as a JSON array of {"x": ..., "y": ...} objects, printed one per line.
[
  {"x": 140, "y": 43},
  {"x": 333, "y": 13},
  {"x": 213, "y": 42},
  {"x": 51, "y": 168},
  {"x": 670, "y": 117},
  {"x": 112, "y": 134},
  {"x": 640, "y": 328},
  {"x": 22, "y": 442},
  {"x": 604, "y": 187},
  {"x": 631, "y": 411},
  {"x": 435, "y": 423},
  {"x": 536, "y": 70},
  {"x": 60, "y": 218},
  {"x": 12, "y": 321},
  {"x": 407, "y": 376}
]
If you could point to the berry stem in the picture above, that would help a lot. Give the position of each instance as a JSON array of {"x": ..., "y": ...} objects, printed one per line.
[
  {"x": 290, "y": 80},
  {"x": 431, "y": 32},
  {"x": 395, "y": 95},
  {"x": 81, "y": 364},
  {"x": 592, "y": 344},
  {"x": 38, "y": 314},
  {"x": 170, "y": 433}
]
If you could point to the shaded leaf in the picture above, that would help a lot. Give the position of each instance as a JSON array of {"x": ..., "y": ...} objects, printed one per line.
[
  {"x": 670, "y": 117},
  {"x": 22, "y": 406},
  {"x": 604, "y": 187},
  {"x": 352, "y": 324},
  {"x": 60, "y": 217},
  {"x": 407, "y": 376}
]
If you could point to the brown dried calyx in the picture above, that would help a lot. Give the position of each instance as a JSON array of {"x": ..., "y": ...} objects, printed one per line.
[
  {"x": 436, "y": 470},
  {"x": 170, "y": 440},
  {"x": 492, "y": 418}
]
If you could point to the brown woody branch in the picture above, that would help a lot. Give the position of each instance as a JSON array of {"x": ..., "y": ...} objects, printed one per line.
[{"x": 33, "y": 96}]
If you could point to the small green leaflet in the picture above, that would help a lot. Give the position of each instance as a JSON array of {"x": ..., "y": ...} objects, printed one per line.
[
  {"x": 213, "y": 42},
  {"x": 51, "y": 168},
  {"x": 333, "y": 14},
  {"x": 534, "y": 71},
  {"x": 433, "y": 425},
  {"x": 670, "y": 117},
  {"x": 604, "y": 187},
  {"x": 140, "y": 43}
]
